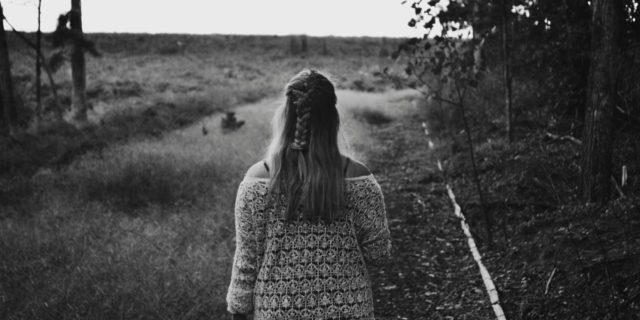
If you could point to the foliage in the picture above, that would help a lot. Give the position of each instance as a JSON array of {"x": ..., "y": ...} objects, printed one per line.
[
  {"x": 64, "y": 35},
  {"x": 448, "y": 60},
  {"x": 446, "y": 67},
  {"x": 447, "y": 55},
  {"x": 550, "y": 43},
  {"x": 143, "y": 228},
  {"x": 137, "y": 92},
  {"x": 556, "y": 257}
]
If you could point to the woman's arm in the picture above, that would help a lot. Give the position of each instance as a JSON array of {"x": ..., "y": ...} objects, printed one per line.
[
  {"x": 244, "y": 270},
  {"x": 371, "y": 224}
]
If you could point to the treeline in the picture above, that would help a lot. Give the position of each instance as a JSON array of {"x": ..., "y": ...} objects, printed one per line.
[
  {"x": 169, "y": 44},
  {"x": 583, "y": 56},
  {"x": 41, "y": 106},
  {"x": 70, "y": 44}
]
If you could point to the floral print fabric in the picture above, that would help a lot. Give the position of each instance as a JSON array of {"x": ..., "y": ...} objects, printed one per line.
[{"x": 302, "y": 269}]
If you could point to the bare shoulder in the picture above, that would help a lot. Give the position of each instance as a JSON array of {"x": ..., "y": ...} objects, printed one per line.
[
  {"x": 357, "y": 169},
  {"x": 257, "y": 170}
]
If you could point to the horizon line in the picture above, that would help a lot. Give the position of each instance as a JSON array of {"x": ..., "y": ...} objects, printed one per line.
[{"x": 224, "y": 34}]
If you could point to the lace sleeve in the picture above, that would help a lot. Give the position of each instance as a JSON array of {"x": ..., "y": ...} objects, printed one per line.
[
  {"x": 370, "y": 222},
  {"x": 244, "y": 270}
]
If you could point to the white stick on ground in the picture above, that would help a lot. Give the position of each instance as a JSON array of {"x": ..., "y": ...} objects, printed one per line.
[{"x": 486, "y": 277}]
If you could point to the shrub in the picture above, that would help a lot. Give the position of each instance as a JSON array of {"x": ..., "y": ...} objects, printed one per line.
[{"x": 373, "y": 117}]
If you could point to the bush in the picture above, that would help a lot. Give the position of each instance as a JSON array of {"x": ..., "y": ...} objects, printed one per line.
[{"x": 373, "y": 117}]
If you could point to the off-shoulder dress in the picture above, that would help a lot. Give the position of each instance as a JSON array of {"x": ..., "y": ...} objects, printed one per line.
[{"x": 302, "y": 269}]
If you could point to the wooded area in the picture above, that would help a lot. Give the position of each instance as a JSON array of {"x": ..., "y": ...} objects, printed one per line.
[
  {"x": 551, "y": 48},
  {"x": 579, "y": 59},
  {"x": 112, "y": 166}
]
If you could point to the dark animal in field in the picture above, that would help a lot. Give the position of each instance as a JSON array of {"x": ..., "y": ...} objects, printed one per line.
[
  {"x": 229, "y": 123},
  {"x": 204, "y": 130}
]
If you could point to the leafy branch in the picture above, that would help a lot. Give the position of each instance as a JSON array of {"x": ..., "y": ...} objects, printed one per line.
[{"x": 450, "y": 59}]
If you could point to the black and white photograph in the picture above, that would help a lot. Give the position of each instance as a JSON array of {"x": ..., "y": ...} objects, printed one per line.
[{"x": 320, "y": 160}]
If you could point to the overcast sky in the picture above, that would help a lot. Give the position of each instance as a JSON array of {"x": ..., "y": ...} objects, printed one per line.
[{"x": 318, "y": 18}]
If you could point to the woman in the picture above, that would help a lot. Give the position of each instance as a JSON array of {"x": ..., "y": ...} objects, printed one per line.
[{"x": 308, "y": 219}]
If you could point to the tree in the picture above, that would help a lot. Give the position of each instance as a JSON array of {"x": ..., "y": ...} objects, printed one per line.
[
  {"x": 507, "y": 69},
  {"x": 78, "y": 66},
  {"x": 601, "y": 94},
  {"x": 447, "y": 66},
  {"x": 550, "y": 44},
  {"x": 69, "y": 30},
  {"x": 39, "y": 69},
  {"x": 44, "y": 65},
  {"x": 573, "y": 50},
  {"x": 9, "y": 108}
]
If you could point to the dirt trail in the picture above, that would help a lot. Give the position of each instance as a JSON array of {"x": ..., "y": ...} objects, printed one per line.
[{"x": 433, "y": 275}]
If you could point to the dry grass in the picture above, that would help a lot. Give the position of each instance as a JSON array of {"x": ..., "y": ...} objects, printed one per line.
[
  {"x": 144, "y": 229},
  {"x": 138, "y": 89}
]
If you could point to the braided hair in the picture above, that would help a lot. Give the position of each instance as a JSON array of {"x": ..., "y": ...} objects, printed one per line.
[
  {"x": 306, "y": 97},
  {"x": 304, "y": 151},
  {"x": 302, "y": 104}
]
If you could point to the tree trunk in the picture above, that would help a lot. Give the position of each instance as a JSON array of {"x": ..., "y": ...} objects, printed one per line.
[
  {"x": 598, "y": 132},
  {"x": 58, "y": 112},
  {"x": 39, "y": 110},
  {"x": 507, "y": 71},
  {"x": 488, "y": 217},
  {"x": 78, "y": 66},
  {"x": 9, "y": 107}
]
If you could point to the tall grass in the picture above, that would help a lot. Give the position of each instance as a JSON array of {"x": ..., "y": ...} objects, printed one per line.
[
  {"x": 134, "y": 91},
  {"x": 144, "y": 229}
]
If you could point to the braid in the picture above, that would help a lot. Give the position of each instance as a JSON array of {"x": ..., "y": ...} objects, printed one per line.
[
  {"x": 307, "y": 164},
  {"x": 302, "y": 102}
]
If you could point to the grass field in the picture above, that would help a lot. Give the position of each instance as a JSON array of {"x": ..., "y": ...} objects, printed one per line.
[
  {"x": 145, "y": 85},
  {"x": 144, "y": 229},
  {"x": 132, "y": 217}
]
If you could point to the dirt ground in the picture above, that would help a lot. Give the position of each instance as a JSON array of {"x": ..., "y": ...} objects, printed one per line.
[{"x": 432, "y": 274}]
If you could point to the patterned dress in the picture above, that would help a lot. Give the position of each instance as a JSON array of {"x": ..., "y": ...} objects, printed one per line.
[{"x": 306, "y": 270}]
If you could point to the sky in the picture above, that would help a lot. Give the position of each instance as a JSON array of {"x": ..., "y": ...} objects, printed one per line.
[{"x": 378, "y": 18}]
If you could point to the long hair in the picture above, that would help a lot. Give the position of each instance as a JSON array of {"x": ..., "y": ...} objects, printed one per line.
[{"x": 304, "y": 152}]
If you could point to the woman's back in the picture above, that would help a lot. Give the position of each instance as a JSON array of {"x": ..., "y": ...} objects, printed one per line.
[
  {"x": 305, "y": 230},
  {"x": 304, "y": 269}
]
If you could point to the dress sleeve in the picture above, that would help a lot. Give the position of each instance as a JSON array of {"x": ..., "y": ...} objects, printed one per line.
[
  {"x": 370, "y": 221},
  {"x": 244, "y": 270}
]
